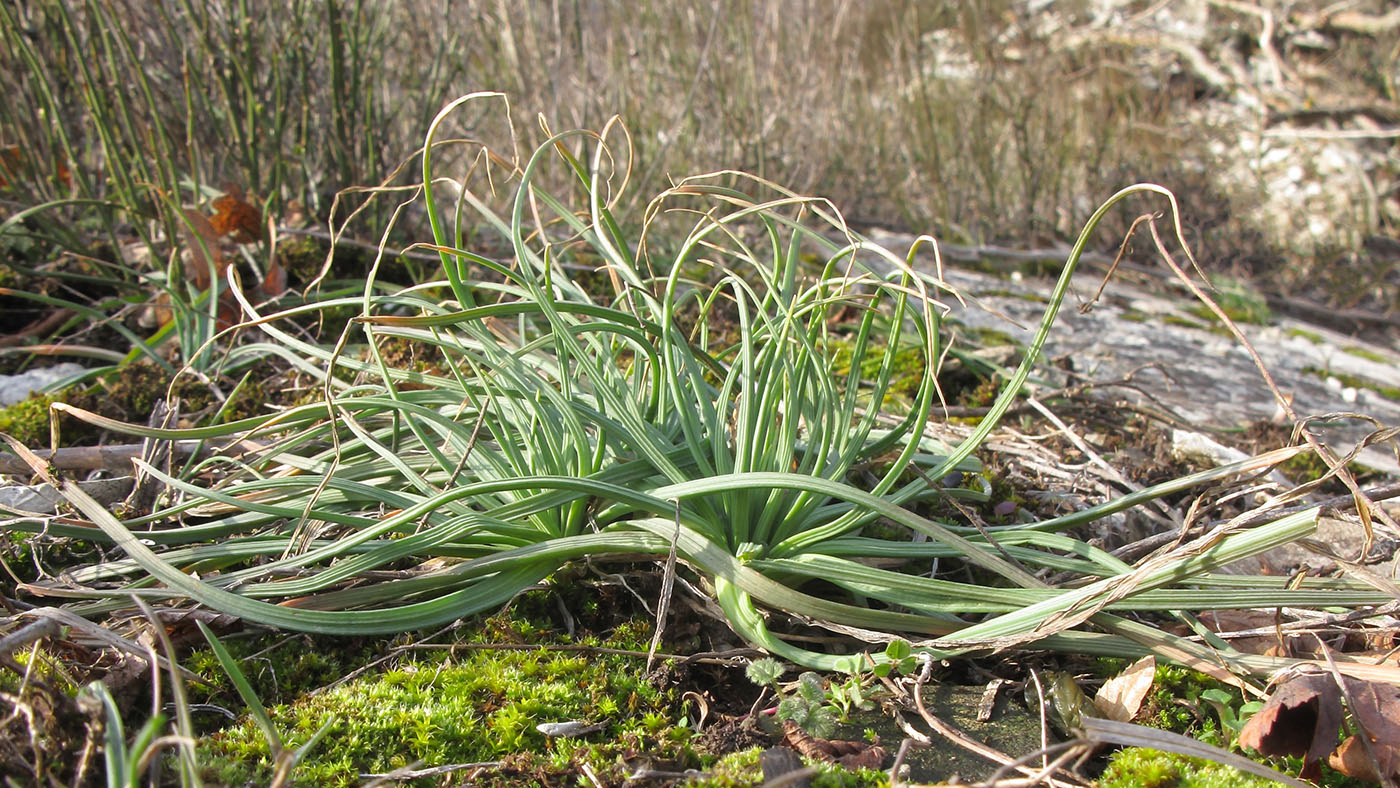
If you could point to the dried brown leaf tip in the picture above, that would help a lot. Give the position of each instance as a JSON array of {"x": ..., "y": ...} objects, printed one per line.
[
  {"x": 1376, "y": 710},
  {"x": 1304, "y": 717},
  {"x": 850, "y": 754},
  {"x": 202, "y": 237},
  {"x": 235, "y": 217}
]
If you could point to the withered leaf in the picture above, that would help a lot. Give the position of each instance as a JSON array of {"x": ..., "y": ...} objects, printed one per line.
[
  {"x": 1302, "y": 718},
  {"x": 274, "y": 281},
  {"x": 1352, "y": 760},
  {"x": 850, "y": 754},
  {"x": 201, "y": 236},
  {"x": 1376, "y": 707},
  {"x": 872, "y": 757},
  {"x": 236, "y": 218},
  {"x": 1121, "y": 696}
]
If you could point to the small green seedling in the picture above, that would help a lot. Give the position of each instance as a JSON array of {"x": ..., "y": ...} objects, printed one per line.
[
  {"x": 816, "y": 706},
  {"x": 1233, "y": 714},
  {"x": 900, "y": 658},
  {"x": 807, "y": 707},
  {"x": 764, "y": 672},
  {"x": 849, "y": 695}
]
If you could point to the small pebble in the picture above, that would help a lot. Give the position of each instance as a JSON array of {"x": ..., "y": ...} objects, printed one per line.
[{"x": 568, "y": 730}]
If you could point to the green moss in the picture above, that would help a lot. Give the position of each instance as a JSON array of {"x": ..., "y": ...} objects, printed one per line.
[
  {"x": 982, "y": 395},
  {"x": 43, "y": 667},
  {"x": 249, "y": 400},
  {"x": 28, "y": 420},
  {"x": 1354, "y": 381},
  {"x": 1311, "y": 336},
  {"x": 411, "y": 355},
  {"x": 989, "y": 337},
  {"x": 1175, "y": 704},
  {"x": 302, "y": 257},
  {"x": 128, "y": 394},
  {"x": 742, "y": 770},
  {"x": 1031, "y": 297},
  {"x": 735, "y": 770},
  {"x": 906, "y": 374},
  {"x": 1369, "y": 355},
  {"x": 1305, "y": 467},
  {"x": 1134, "y": 316},
  {"x": 1309, "y": 467},
  {"x": 280, "y": 667},
  {"x": 1238, "y": 302},
  {"x": 1137, "y": 767},
  {"x": 1177, "y": 320},
  {"x": 475, "y": 702}
]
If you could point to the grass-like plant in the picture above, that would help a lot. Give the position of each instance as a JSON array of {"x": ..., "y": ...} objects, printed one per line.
[{"x": 687, "y": 407}]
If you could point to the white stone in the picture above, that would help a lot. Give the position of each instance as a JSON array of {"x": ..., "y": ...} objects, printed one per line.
[{"x": 17, "y": 388}]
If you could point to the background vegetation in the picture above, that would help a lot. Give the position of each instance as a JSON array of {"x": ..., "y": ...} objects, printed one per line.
[{"x": 992, "y": 121}]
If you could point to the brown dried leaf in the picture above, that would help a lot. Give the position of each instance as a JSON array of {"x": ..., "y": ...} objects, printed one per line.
[
  {"x": 236, "y": 218},
  {"x": 872, "y": 757},
  {"x": 14, "y": 160},
  {"x": 805, "y": 743},
  {"x": 200, "y": 235},
  {"x": 157, "y": 311},
  {"x": 1376, "y": 707},
  {"x": 1302, "y": 718},
  {"x": 850, "y": 754},
  {"x": 1121, "y": 696},
  {"x": 275, "y": 281},
  {"x": 10, "y": 163},
  {"x": 1352, "y": 760}
]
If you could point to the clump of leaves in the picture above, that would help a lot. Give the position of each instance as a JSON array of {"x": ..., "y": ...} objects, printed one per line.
[
  {"x": 814, "y": 705},
  {"x": 572, "y": 425},
  {"x": 807, "y": 707}
]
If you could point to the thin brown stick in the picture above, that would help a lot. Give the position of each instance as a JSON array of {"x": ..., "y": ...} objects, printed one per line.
[
  {"x": 112, "y": 458},
  {"x": 668, "y": 584}
]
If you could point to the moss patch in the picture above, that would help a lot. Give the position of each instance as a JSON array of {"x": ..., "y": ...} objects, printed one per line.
[
  {"x": 479, "y": 700},
  {"x": 1369, "y": 355},
  {"x": 1354, "y": 381},
  {"x": 1031, "y": 297},
  {"x": 1177, "y": 320},
  {"x": 1137, "y": 767},
  {"x": 1175, "y": 704},
  {"x": 1238, "y": 302},
  {"x": 28, "y": 420},
  {"x": 906, "y": 374},
  {"x": 129, "y": 394},
  {"x": 742, "y": 770}
]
